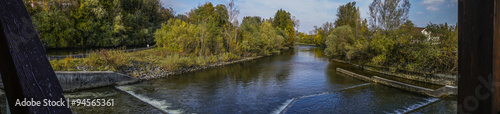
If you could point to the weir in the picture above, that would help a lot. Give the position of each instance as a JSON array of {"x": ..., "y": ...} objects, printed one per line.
[
  {"x": 443, "y": 91},
  {"x": 416, "y": 106},
  {"x": 158, "y": 104},
  {"x": 290, "y": 102}
]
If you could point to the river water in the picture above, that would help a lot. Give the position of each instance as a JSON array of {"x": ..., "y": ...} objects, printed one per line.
[{"x": 300, "y": 80}]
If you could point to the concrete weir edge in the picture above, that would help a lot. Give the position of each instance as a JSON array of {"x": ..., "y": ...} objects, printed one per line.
[
  {"x": 443, "y": 91},
  {"x": 78, "y": 80}
]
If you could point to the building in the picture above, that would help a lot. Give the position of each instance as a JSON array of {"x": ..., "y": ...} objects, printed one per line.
[{"x": 431, "y": 38}]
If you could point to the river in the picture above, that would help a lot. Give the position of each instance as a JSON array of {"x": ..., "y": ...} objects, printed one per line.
[{"x": 300, "y": 80}]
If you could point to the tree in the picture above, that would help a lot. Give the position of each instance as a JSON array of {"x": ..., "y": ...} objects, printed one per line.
[
  {"x": 388, "y": 14},
  {"x": 348, "y": 14},
  {"x": 98, "y": 23},
  {"x": 270, "y": 40},
  {"x": 177, "y": 35},
  {"x": 363, "y": 29},
  {"x": 283, "y": 20},
  {"x": 232, "y": 31},
  {"x": 55, "y": 29},
  {"x": 200, "y": 14},
  {"x": 448, "y": 44},
  {"x": 250, "y": 34},
  {"x": 339, "y": 41}
]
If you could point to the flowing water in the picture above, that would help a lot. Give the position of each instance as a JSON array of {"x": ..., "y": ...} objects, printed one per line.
[{"x": 300, "y": 80}]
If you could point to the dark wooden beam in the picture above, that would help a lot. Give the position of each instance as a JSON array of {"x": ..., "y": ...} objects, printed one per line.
[
  {"x": 496, "y": 58},
  {"x": 25, "y": 69},
  {"x": 478, "y": 57}
]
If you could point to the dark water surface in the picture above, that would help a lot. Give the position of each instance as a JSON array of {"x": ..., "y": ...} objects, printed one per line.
[{"x": 300, "y": 80}]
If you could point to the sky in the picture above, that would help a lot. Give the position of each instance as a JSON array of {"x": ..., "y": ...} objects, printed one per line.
[{"x": 317, "y": 12}]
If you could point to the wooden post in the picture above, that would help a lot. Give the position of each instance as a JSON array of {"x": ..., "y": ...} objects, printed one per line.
[
  {"x": 479, "y": 57},
  {"x": 496, "y": 58},
  {"x": 25, "y": 69}
]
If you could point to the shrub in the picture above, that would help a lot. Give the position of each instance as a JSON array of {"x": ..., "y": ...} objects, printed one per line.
[
  {"x": 106, "y": 60},
  {"x": 228, "y": 56}
]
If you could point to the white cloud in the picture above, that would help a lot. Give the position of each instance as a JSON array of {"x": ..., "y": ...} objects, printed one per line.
[
  {"x": 432, "y": 5},
  {"x": 432, "y": 8}
]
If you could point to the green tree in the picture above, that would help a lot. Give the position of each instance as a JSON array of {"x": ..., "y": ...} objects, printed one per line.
[
  {"x": 348, "y": 14},
  {"x": 55, "y": 29},
  {"x": 338, "y": 43},
  {"x": 250, "y": 32},
  {"x": 283, "y": 20},
  {"x": 269, "y": 39}
]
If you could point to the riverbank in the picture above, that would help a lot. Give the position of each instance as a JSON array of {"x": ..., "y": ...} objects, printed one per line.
[
  {"x": 300, "y": 43},
  {"x": 147, "y": 64},
  {"x": 440, "y": 79},
  {"x": 85, "y": 54},
  {"x": 158, "y": 72}
]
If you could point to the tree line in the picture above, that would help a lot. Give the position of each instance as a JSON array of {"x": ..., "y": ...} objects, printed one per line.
[
  {"x": 206, "y": 30},
  {"x": 387, "y": 39},
  {"x": 211, "y": 30},
  {"x": 97, "y": 23}
]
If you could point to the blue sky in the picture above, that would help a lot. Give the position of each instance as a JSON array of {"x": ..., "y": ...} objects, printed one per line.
[{"x": 317, "y": 12}]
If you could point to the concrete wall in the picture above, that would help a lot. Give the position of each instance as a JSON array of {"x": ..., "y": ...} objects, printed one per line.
[
  {"x": 71, "y": 81},
  {"x": 77, "y": 80},
  {"x": 439, "y": 79},
  {"x": 443, "y": 91}
]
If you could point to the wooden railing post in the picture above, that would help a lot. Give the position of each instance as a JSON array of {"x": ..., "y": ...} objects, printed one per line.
[
  {"x": 496, "y": 59},
  {"x": 479, "y": 57},
  {"x": 25, "y": 69}
]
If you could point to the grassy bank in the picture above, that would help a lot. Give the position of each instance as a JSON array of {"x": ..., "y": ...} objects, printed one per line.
[{"x": 140, "y": 64}]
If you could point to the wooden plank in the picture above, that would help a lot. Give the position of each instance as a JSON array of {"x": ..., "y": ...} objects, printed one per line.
[
  {"x": 25, "y": 69},
  {"x": 475, "y": 55},
  {"x": 496, "y": 58}
]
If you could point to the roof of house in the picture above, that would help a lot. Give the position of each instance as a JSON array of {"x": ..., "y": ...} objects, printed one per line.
[{"x": 419, "y": 28}]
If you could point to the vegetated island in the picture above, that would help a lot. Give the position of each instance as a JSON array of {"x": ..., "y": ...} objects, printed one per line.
[{"x": 208, "y": 36}]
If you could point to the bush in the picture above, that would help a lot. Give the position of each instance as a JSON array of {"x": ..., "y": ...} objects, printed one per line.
[
  {"x": 228, "y": 56},
  {"x": 106, "y": 60}
]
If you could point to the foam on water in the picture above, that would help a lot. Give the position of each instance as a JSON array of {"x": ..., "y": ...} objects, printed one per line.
[
  {"x": 416, "y": 106},
  {"x": 290, "y": 102},
  {"x": 284, "y": 106},
  {"x": 159, "y": 104}
]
